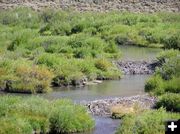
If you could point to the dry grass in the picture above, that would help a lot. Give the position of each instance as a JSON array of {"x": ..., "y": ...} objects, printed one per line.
[{"x": 119, "y": 111}]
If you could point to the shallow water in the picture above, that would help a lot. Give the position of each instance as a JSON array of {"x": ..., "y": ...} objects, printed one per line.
[
  {"x": 104, "y": 125},
  {"x": 133, "y": 53},
  {"x": 129, "y": 85}
]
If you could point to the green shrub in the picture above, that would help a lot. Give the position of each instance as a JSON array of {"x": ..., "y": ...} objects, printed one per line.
[
  {"x": 122, "y": 40},
  {"x": 112, "y": 74},
  {"x": 26, "y": 115},
  {"x": 83, "y": 53},
  {"x": 149, "y": 122},
  {"x": 166, "y": 77},
  {"x": 21, "y": 38},
  {"x": 24, "y": 17},
  {"x": 77, "y": 28},
  {"x": 170, "y": 68},
  {"x": 68, "y": 75},
  {"x": 67, "y": 117},
  {"x": 155, "y": 84},
  {"x": 7, "y": 103},
  {"x": 111, "y": 48},
  {"x": 167, "y": 54},
  {"x": 130, "y": 20},
  {"x": 77, "y": 41},
  {"x": 169, "y": 17},
  {"x": 36, "y": 111},
  {"x": 13, "y": 125},
  {"x": 102, "y": 64},
  {"x": 33, "y": 79},
  {"x": 49, "y": 60},
  {"x": 47, "y": 15},
  {"x": 170, "y": 101},
  {"x": 172, "y": 41},
  {"x": 25, "y": 77},
  {"x": 60, "y": 28},
  {"x": 172, "y": 85}
]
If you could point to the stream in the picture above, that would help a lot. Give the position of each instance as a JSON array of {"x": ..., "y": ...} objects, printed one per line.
[{"x": 129, "y": 85}]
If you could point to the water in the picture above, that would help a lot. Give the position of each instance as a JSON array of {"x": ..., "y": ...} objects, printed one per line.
[
  {"x": 133, "y": 53},
  {"x": 104, "y": 125},
  {"x": 129, "y": 85}
]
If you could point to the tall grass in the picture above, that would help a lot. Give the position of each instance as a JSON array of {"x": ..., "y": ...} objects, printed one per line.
[
  {"x": 34, "y": 114},
  {"x": 149, "y": 122}
]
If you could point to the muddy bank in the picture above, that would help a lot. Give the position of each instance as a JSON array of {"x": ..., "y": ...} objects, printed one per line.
[
  {"x": 137, "y": 67},
  {"x": 103, "y": 107}
]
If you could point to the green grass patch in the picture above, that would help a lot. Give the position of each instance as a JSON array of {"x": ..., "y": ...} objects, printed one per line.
[
  {"x": 20, "y": 115},
  {"x": 149, "y": 122}
]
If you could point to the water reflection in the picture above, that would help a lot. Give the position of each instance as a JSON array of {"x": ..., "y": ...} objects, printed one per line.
[
  {"x": 104, "y": 125},
  {"x": 127, "y": 86},
  {"x": 139, "y": 53}
]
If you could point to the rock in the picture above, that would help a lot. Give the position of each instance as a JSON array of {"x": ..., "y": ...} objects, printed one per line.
[
  {"x": 97, "y": 5},
  {"x": 97, "y": 81},
  {"x": 137, "y": 67},
  {"x": 124, "y": 105}
]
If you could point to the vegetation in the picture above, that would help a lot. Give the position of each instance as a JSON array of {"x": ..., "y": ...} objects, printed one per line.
[
  {"x": 73, "y": 46},
  {"x": 165, "y": 82},
  {"x": 170, "y": 101},
  {"x": 120, "y": 111},
  {"x": 166, "y": 78},
  {"x": 34, "y": 114},
  {"x": 149, "y": 122},
  {"x": 165, "y": 85},
  {"x": 60, "y": 48},
  {"x": 22, "y": 76},
  {"x": 66, "y": 117}
]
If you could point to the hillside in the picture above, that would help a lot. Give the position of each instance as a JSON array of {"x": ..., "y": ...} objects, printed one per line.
[{"x": 97, "y": 5}]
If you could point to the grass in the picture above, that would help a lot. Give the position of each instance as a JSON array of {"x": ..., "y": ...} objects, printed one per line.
[
  {"x": 120, "y": 111},
  {"x": 170, "y": 101},
  {"x": 67, "y": 117},
  {"x": 166, "y": 78},
  {"x": 34, "y": 114},
  {"x": 22, "y": 76},
  {"x": 149, "y": 122}
]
